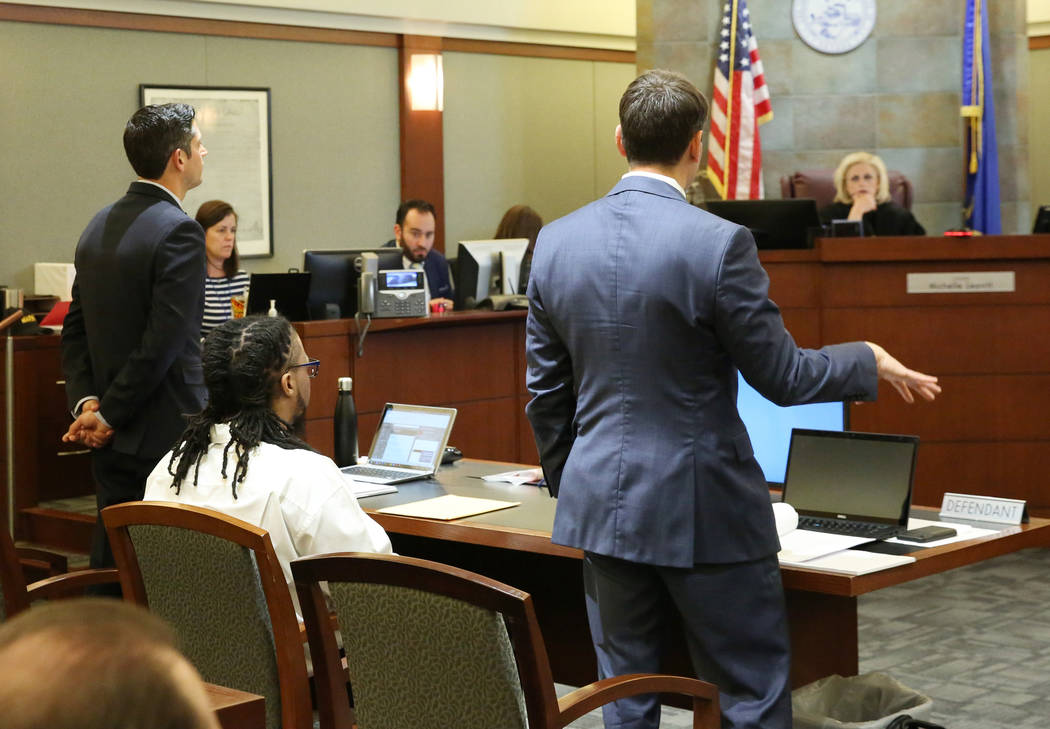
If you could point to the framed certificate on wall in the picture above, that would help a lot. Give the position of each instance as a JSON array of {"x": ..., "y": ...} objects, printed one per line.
[{"x": 235, "y": 129}]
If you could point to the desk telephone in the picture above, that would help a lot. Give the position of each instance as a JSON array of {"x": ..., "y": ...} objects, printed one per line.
[
  {"x": 392, "y": 293},
  {"x": 501, "y": 302}
]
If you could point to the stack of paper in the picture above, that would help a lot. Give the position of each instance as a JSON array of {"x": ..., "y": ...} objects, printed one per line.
[
  {"x": 851, "y": 562},
  {"x": 831, "y": 552}
]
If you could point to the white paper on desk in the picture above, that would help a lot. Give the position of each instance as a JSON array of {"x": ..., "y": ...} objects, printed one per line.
[
  {"x": 363, "y": 489},
  {"x": 853, "y": 562},
  {"x": 801, "y": 545},
  {"x": 528, "y": 475},
  {"x": 448, "y": 507}
]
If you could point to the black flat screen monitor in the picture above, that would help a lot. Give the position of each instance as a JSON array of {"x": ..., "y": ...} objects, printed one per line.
[
  {"x": 333, "y": 286},
  {"x": 775, "y": 224},
  {"x": 1042, "y": 220},
  {"x": 487, "y": 267},
  {"x": 286, "y": 290},
  {"x": 769, "y": 426}
]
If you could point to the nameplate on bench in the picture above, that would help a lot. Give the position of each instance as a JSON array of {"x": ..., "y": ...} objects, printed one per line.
[
  {"x": 965, "y": 282},
  {"x": 984, "y": 508}
]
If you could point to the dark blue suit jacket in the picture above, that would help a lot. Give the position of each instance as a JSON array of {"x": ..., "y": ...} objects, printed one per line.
[
  {"x": 132, "y": 334},
  {"x": 436, "y": 268},
  {"x": 642, "y": 309}
]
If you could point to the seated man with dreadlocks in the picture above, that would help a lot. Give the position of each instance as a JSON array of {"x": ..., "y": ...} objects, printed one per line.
[{"x": 242, "y": 455}]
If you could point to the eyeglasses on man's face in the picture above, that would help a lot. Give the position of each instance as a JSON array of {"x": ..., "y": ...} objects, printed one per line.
[{"x": 312, "y": 367}]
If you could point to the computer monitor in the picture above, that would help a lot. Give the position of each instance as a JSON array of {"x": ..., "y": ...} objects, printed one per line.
[
  {"x": 488, "y": 267},
  {"x": 774, "y": 223},
  {"x": 286, "y": 290},
  {"x": 1042, "y": 220},
  {"x": 769, "y": 426},
  {"x": 333, "y": 284}
]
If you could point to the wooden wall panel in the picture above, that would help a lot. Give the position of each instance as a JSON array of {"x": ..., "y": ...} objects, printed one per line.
[
  {"x": 474, "y": 362},
  {"x": 335, "y": 354},
  {"x": 431, "y": 366},
  {"x": 950, "y": 340},
  {"x": 1016, "y": 470},
  {"x": 885, "y": 284},
  {"x": 793, "y": 284},
  {"x": 970, "y": 408}
]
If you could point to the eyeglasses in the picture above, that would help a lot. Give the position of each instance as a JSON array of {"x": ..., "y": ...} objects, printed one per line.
[{"x": 313, "y": 366}]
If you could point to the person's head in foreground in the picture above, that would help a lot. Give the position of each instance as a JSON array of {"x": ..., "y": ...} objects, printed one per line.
[{"x": 96, "y": 663}]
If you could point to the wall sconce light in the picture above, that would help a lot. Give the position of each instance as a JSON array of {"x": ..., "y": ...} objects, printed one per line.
[{"x": 426, "y": 82}]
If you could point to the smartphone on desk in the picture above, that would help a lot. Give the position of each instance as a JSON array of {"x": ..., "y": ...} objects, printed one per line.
[{"x": 927, "y": 534}]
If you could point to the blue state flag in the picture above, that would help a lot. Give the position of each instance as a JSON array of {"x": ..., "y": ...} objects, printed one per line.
[{"x": 981, "y": 207}]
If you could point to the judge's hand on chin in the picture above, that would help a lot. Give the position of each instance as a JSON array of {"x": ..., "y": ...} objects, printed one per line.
[{"x": 863, "y": 202}]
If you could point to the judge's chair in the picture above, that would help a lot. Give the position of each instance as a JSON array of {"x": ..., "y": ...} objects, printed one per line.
[
  {"x": 217, "y": 581},
  {"x": 16, "y": 596},
  {"x": 820, "y": 185},
  {"x": 428, "y": 645}
]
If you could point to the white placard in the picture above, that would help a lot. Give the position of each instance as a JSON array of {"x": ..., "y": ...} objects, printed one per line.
[
  {"x": 972, "y": 282},
  {"x": 983, "y": 508}
]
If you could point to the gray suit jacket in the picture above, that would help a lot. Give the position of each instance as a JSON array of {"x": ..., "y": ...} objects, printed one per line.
[{"x": 642, "y": 309}]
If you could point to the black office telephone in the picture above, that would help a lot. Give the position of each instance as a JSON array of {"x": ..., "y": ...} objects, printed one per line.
[
  {"x": 450, "y": 455},
  {"x": 500, "y": 302}
]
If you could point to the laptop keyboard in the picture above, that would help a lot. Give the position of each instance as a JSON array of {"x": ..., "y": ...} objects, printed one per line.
[
  {"x": 373, "y": 472},
  {"x": 847, "y": 528}
]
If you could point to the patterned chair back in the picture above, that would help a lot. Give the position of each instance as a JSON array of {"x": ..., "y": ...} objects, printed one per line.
[
  {"x": 418, "y": 660},
  {"x": 210, "y": 592},
  {"x": 217, "y": 580}
]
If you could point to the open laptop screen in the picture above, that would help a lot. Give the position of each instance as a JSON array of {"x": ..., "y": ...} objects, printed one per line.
[
  {"x": 769, "y": 426},
  {"x": 411, "y": 436},
  {"x": 860, "y": 476}
]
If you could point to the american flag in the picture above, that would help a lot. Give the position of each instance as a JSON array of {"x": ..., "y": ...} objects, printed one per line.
[{"x": 741, "y": 103}]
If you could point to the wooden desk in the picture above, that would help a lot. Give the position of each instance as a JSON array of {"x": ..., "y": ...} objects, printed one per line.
[
  {"x": 513, "y": 545},
  {"x": 236, "y": 709}
]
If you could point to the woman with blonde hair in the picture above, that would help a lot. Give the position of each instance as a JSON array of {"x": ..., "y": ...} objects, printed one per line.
[{"x": 862, "y": 192}]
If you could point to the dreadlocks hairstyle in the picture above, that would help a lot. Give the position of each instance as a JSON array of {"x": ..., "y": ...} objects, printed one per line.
[{"x": 244, "y": 360}]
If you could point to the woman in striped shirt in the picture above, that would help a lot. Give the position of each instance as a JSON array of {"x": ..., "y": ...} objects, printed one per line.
[{"x": 223, "y": 281}]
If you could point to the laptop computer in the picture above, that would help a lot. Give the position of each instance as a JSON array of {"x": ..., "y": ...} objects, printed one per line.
[
  {"x": 775, "y": 224},
  {"x": 408, "y": 444},
  {"x": 288, "y": 291},
  {"x": 856, "y": 484}
]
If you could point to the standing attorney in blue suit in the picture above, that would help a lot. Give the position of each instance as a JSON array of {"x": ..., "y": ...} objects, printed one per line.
[
  {"x": 131, "y": 341},
  {"x": 642, "y": 309}
]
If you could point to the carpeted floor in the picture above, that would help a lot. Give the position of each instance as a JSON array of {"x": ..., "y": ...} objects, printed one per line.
[{"x": 976, "y": 640}]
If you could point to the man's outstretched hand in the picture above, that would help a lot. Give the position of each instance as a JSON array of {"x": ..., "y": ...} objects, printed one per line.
[{"x": 903, "y": 379}]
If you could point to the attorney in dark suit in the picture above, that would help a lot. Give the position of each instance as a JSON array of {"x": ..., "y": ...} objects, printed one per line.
[
  {"x": 414, "y": 227},
  {"x": 642, "y": 308},
  {"x": 131, "y": 339}
]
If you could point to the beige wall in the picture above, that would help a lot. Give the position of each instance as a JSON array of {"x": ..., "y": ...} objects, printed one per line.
[
  {"x": 68, "y": 92},
  {"x": 1039, "y": 112},
  {"x": 585, "y": 23},
  {"x": 897, "y": 94},
  {"x": 527, "y": 131},
  {"x": 334, "y": 119}
]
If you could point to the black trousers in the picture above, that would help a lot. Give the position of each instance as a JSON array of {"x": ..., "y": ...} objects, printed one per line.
[{"x": 119, "y": 477}]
